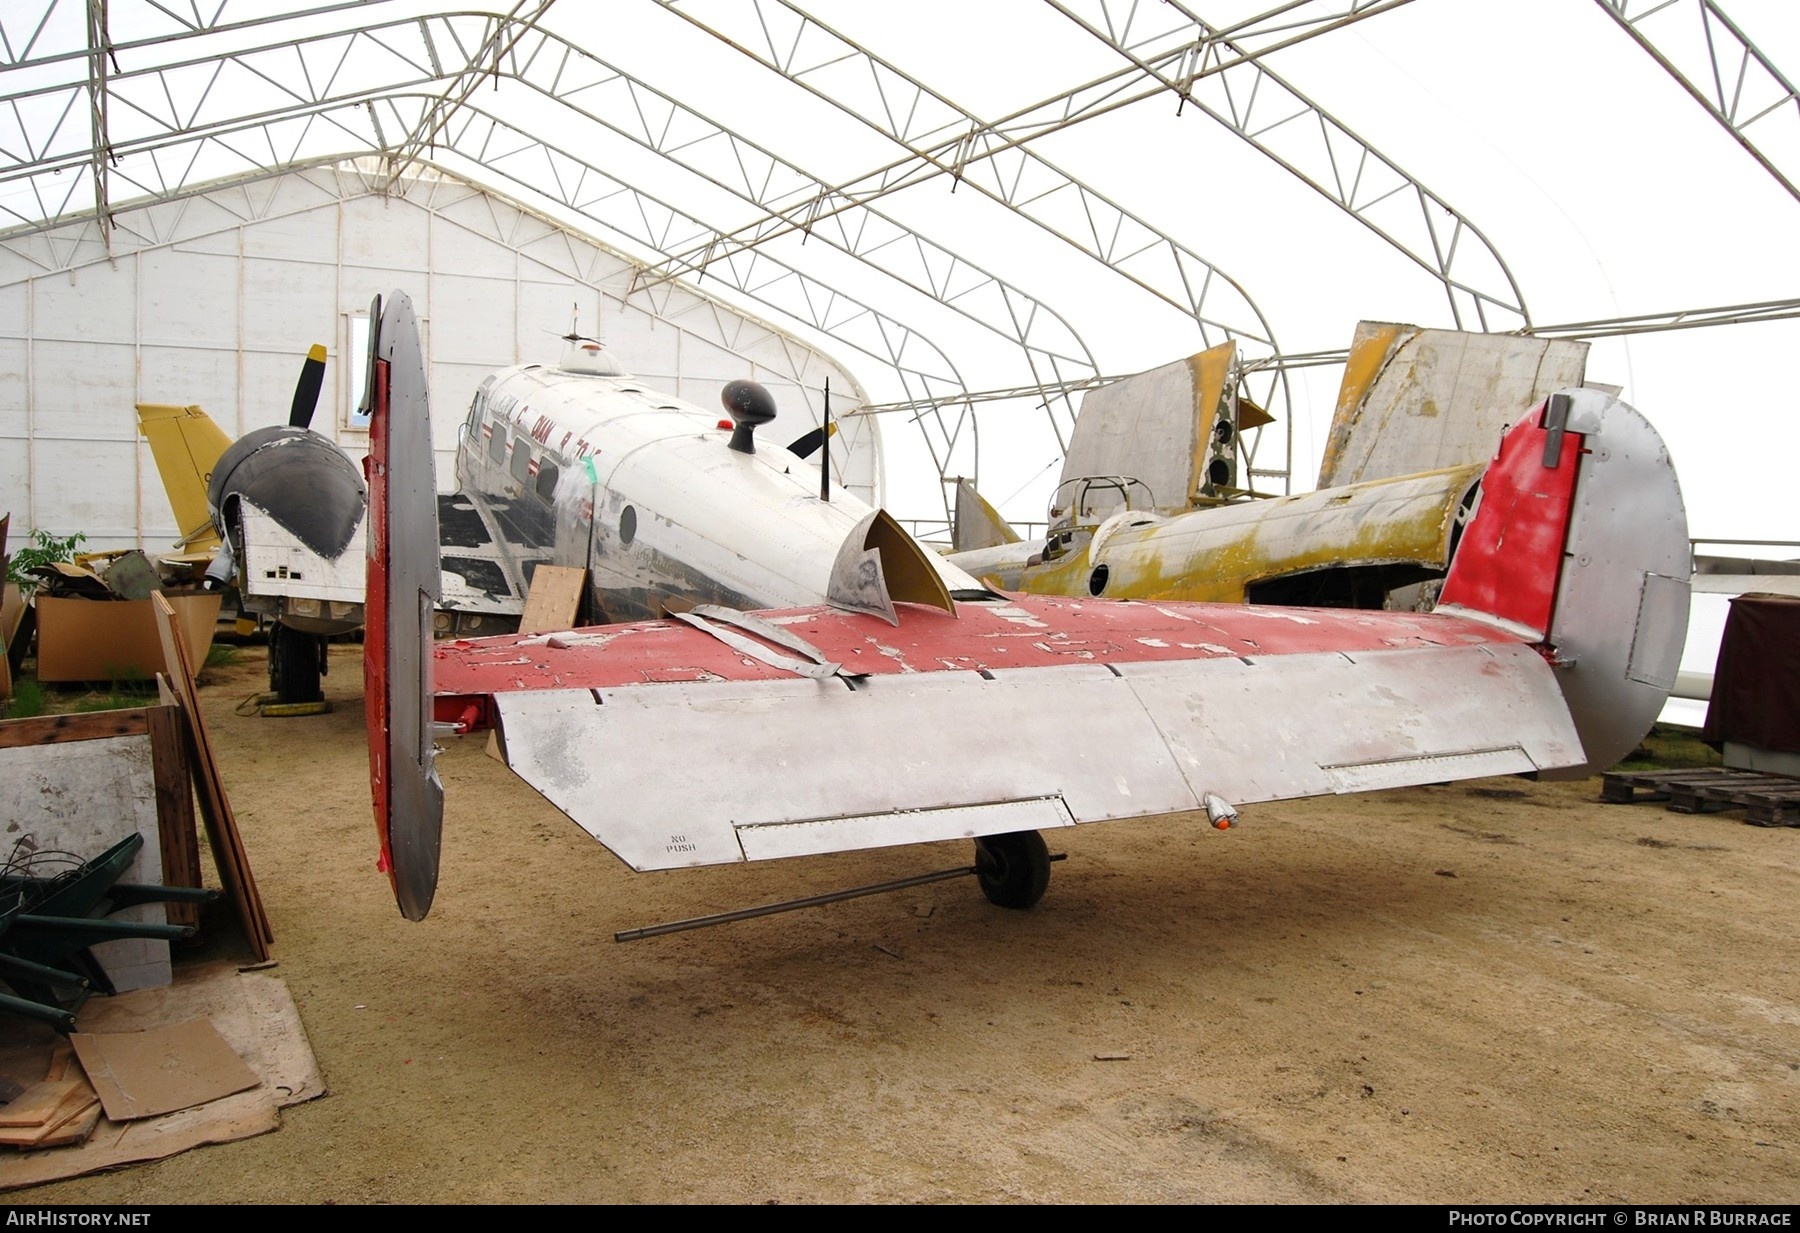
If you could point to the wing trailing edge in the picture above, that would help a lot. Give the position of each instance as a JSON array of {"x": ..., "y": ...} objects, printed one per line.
[{"x": 716, "y": 772}]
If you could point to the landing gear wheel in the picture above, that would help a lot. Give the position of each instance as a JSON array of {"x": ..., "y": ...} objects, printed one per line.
[
  {"x": 1013, "y": 869},
  {"x": 295, "y": 665}
]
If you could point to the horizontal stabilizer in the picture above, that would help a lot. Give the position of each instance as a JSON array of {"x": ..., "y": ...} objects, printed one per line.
[{"x": 718, "y": 761}]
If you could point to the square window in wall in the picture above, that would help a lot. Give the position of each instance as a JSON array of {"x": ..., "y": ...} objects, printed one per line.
[
  {"x": 356, "y": 356},
  {"x": 356, "y": 365}
]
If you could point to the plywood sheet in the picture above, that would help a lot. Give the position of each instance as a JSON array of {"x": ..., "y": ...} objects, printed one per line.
[{"x": 553, "y": 599}]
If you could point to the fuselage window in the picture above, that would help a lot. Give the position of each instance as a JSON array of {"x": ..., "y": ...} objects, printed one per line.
[
  {"x": 546, "y": 480},
  {"x": 521, "y": 462},
  {"x": 497, "y": 445}
]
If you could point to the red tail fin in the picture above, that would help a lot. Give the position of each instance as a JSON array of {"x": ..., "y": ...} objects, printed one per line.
[
  {"x": 1580, "y": 543},
  {"x": 1510, "y": 557}
]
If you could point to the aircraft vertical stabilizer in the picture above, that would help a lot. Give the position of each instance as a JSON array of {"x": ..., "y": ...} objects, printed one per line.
[
  {"x": 1418, "y": 400},
  {"x": 1580, "y": 544},
  {"x": 978, "y": 524},
  {"x": 403, "y": 584},
  {"x": 1174, "y": 429},
  {"x": 186, "y": 445}
]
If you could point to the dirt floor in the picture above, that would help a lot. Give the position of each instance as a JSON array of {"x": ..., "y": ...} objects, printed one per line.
[{"x": 1496, "y": 992}]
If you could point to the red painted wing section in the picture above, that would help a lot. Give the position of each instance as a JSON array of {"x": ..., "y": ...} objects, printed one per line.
[{"x": 1022, "y": 632}]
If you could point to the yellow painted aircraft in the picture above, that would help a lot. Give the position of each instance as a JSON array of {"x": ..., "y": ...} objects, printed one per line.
[{"x": 1155, "y": 500}]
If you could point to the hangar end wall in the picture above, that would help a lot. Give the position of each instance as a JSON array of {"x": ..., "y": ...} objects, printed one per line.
[{"x": 213, "y": 300}]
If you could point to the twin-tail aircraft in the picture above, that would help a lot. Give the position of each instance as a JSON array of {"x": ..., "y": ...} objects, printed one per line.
[
  {"x": 278, "y": 512},
  {"x": 907, "y": 705}
]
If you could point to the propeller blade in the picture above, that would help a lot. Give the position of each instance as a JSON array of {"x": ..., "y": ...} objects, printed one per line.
[
  {"x": 306, "y": 391},
  {"x": 807, "y": 443}
]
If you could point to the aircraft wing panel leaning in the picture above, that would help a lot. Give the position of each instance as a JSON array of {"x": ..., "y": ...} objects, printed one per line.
[{"x": 1114, "y": 711}]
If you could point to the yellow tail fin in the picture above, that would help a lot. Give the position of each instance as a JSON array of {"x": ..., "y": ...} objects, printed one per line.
[{"x": 186, "y": 445}]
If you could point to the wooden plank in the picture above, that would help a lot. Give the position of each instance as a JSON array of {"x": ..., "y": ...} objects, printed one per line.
[
  {"x": 62, "y": 1059},
  {"x": 56, "y": 729},
  {"x": 232, "y": 862},
  {"x": 553, "y": 600},
  {"x": 78, "y": 1127},
  {"x": 1624, "y": 789},
  {"x": 175, "y": 821},
  {"x": 72, "y": 1121},
  {"x": 39, "y": 1102}
]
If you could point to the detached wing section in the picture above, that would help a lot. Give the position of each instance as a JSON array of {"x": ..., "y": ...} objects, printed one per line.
[{"x": 675, "y": 749}]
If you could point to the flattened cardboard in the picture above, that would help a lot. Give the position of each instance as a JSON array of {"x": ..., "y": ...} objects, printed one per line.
[
  {"x": 254, "y": 1012},
  {"x": 101, "y": 640},
  {"x": 142, "y": 1074}
]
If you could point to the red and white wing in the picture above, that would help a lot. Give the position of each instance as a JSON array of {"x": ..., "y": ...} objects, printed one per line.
[{"x": 675, "y": 748}]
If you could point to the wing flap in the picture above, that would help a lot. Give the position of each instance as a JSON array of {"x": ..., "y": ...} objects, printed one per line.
[
  {"x": 1287, "y": 726},
  {"x": 773, "y": 840},
  {"x": 678, "y": 774}
]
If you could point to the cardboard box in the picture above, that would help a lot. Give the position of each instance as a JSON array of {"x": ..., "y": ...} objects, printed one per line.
[{"x": 100, "y": 640}]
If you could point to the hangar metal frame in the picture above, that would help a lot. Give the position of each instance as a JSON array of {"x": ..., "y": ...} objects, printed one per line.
[{"x": 109, "y": 102}]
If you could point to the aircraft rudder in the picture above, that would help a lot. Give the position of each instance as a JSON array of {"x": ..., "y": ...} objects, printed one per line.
[
  {"x": 186, "y": 445},
  {"x": 1580, "y": 544},
  {"x": 403, "y": 580}
]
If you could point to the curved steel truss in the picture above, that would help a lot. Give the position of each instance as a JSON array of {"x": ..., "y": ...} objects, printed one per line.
[{"x": 104, "y": 102}]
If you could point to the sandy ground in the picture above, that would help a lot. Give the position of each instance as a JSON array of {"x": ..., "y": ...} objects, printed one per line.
[{"x": 1496, "y": 992}]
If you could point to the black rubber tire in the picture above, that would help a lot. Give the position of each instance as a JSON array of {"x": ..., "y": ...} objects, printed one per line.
[
  {"x": 294, "y": 662},
  {"x": 1013, "y": 869}
]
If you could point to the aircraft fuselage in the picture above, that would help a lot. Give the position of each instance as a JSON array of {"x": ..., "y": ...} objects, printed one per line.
[{"x": 587, "y": 466}]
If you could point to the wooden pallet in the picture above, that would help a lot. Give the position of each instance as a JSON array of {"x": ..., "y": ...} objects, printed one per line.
[{"x": 1767, "y": 800}]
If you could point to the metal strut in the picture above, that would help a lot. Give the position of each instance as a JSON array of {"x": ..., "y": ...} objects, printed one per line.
[{"x": 789, "y": 905}]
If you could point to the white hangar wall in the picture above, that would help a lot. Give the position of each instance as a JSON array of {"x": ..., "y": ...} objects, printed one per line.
[{"x": 213, "y": 301}]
